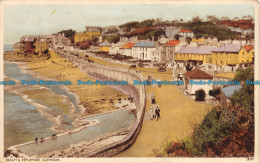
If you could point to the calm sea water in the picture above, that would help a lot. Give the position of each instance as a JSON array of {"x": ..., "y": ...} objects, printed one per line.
[
  {"x": 108, "y": 123},
  {"x": 22, "y": 121},
  {"x": 8, "y": 47}
]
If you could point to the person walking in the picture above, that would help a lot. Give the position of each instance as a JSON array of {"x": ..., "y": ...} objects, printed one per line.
[
  {"x": 152, "y": 113},
  {"x": 157, "y": 112},
  {"x": 153, "y": 98}
]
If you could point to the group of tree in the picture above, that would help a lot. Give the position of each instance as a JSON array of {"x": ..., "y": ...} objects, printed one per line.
[
  {"x": 208, "y": 29},
  {"x": 112, "y": 38},
  {"x": 135, "y": 24},
  {"x": 87, "y": 43},
  {"x": 70, "y": 33}
]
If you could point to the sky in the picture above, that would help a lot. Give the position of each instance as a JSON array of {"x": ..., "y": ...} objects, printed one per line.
[{"x": 22, "y": 20}]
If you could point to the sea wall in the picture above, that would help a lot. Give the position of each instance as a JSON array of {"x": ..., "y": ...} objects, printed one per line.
[{"x": 102, "y": 72}]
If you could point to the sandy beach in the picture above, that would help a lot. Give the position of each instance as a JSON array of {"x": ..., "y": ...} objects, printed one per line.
[{"x": 94, "y": 99}]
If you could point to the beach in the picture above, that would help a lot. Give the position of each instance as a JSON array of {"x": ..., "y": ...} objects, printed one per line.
[{"x": 94, "y": 99}]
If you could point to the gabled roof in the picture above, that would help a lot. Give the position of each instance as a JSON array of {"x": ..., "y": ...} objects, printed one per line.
[
  {"x": 149, "y": 44},
  {"x": 230, "y": 90},
  {"x": 227, "y": 48},
  {"x": 198, "y": 74},
  {"x": 127, "y": 45},
  {"x": 248, "y": 48},
  {"x": 196, "y": 50},
  {"x": 172, "y": 43},
  {"x": 185, "y": 31}
]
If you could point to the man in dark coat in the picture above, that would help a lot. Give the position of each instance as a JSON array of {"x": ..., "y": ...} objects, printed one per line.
[{"x": 157, "y": 112}]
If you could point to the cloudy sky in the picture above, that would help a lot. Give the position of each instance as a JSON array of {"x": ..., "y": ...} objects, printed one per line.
[{"x": 48, "y": 19}]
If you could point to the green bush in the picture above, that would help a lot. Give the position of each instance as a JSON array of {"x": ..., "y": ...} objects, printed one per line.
[
  {"x": 245, "y": 96},
  {"x": 215, "y": 126},
  {"x": 200, "y": 95},
  {"x": 214, "y": 92}
]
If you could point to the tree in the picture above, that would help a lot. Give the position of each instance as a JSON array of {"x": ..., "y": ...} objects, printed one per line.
[
  {"x": 249, "y": 17},
  {"x": 214, "y": 93},
  {"x": 213, "y": 19},
  {"x": 196, "y": 19},
  {"x": 200, "y": 95},
  {"x": 188, "y": 40},
  {"x": 235, "y": 18},
  {"x": 129, "y": 24},
  {"x": 69, "y": 34},
  {"x": 112, "y": 38},
  {"x": 177, "y": 37},
  {"x": 245, "y": 96},
  {"x": 225, "y": 18}
]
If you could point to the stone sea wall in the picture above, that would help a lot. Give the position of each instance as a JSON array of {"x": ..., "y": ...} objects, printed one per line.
[{"x": 102, "y": 72}]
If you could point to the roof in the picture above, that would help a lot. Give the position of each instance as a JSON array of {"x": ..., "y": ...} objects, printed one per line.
[
  {"x": 185, "y": 31},
  {"x": 127, "y": 45},
  {"x": 149, "y": 44},
  {"x": 198, "y": 40},
  {"x": 196, "y": 50},
  {"x": 229, "y": 91},
  {"x": 228, "y": 48},
  {"x": 163, "y": 40},
  {"x": 248, "y": 48},
  {"x": 105, "y": 44},
  {"x": 198, "y": 74},
  {"x": 172, "y": 42}
]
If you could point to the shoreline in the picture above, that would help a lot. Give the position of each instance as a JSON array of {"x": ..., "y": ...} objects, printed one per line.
[{"x": 25, "y": 69}]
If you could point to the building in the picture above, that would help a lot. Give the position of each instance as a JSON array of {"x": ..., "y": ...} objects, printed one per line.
[
  {"x": 163, "y": 40},
  {"x": 227, "y": 92},
  {"x": 90, "y": 33},
  {"x": 246, "y": 54},
  {"x": 61, "y": 39},
  {"x": 227, "y": 55},
  {"x": 41, "y": 45},
  {"x": 17, "y": 46},
  {"x": 186, "y": 33},
  {"x": 127, "y": 49},
  {"x": 197, "y": 75},
  {"x": 168, "y": 51},
  {"x": 144, "y": 50},
  {"x": 93, "y": 29},
  {"x": 27, "y": 43},
  {"x": 197, "y": 55},
  {"x": 104, "y": 47},
  {"x": 170, "y": 32},
  {"x": 198, "y": 42}
]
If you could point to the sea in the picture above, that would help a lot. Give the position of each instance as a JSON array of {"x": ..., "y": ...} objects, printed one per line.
[{"x": 8, "y": 47}]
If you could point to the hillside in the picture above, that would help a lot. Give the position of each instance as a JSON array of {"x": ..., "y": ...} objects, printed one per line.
[{"x": 207, "y": 29}]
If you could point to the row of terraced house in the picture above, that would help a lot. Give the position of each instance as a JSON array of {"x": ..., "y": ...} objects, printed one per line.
[{"x": 228, "y": 54}]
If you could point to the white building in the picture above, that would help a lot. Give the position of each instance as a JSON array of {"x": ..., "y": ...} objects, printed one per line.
[
  {"x": 186, "y": 33},
  {"x": 126, "y": 49},
  {"x": 144, "y": 50},
  {"x": 199, "y": 76}
]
